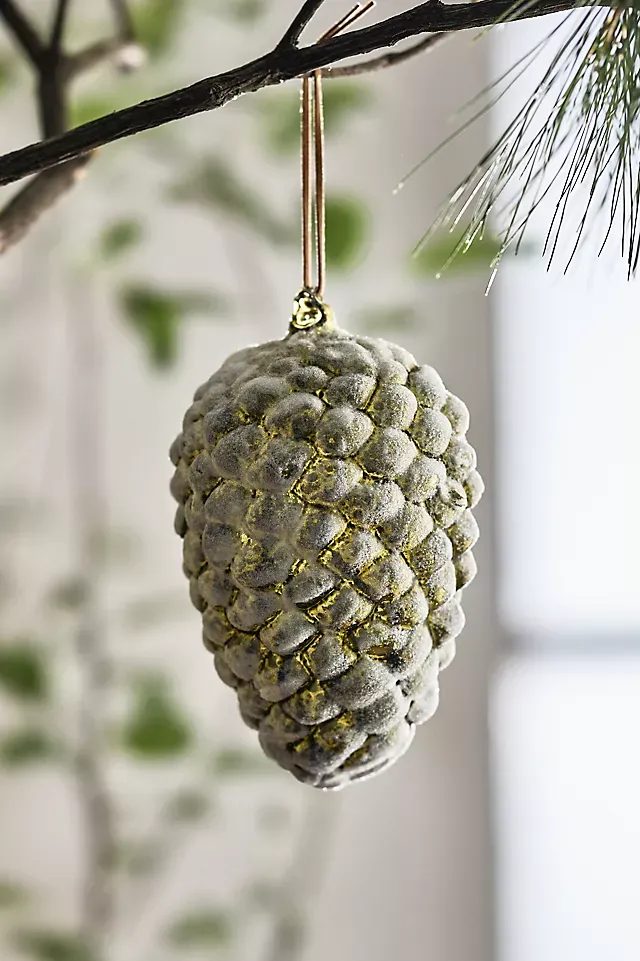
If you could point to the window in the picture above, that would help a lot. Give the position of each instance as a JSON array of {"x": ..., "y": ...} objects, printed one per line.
[{"x": 566, "y": 710}]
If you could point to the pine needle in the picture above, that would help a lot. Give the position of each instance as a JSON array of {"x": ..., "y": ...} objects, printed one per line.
[{"x": 578, "y": 131}]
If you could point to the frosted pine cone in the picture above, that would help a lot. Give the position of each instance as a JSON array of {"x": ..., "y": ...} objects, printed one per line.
[{"x": 324, "y": 486}]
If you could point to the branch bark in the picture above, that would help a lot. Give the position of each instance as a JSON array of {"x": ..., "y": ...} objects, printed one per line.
[{"x": 282, "y": 63}]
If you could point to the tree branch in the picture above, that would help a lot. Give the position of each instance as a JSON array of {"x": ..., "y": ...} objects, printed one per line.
[
  {"x": 52, "y": 100},
  {"x": 55, "y": 70},
  {"x": 387, "y": 59},
  {"x": 36, "y": 198},
  {"x": 124, "y": 21},
  {"x": 283, "y": 63},
  {"x": 299, "y": 886},
  {"x": 127, "y": 55},
  {"x": 300, "y": 21},
  {"x": 89, "y": 498},
  {"x": 59, "y": 23},
  {"x": 23, "y": 33}
]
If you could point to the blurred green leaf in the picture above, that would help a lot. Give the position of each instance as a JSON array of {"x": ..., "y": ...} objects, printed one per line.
[
  {"x": 243, "y": 11},
  {"x": 157, "y": 728},
  {"x": 12, "y": 895},
  {"x": 136, "y": 858},
  {"x": 188, "y": 806},
  {"x": 215, "y": 184},
  {"x": 230, "y": 761},
  {"x": 119, "y": 236},
  {"x": 157, "y": 315},
  {"x": 23, "y": 671},
  {"x": 20, "y": 514},
  {"x": 202, "y": 928},
  {"x": 347, "y": 221},
  {"x": 392, "y": 317},
  {"x": 53, "y": 946},
  {"x": 445, "y": 253},
  {"x": 281, "y": 115},
  {"x": 27, "y": 746},
  {"x": 7, "y": 72},
  {"x": 149, "y": 612},
  {"x": 156, "y": 24},
  {"x": 69, "y": 594},
  {"x": 262, "y": 895},
  {"x": 6, "y": 588},
  {"x": 114, "y": 546}
]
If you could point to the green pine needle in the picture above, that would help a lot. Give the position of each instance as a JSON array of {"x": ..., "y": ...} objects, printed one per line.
[{"x": 578, "y": 131}]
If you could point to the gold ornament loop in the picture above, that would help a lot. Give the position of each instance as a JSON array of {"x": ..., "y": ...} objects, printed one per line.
[{"x": 308, "y": 310}]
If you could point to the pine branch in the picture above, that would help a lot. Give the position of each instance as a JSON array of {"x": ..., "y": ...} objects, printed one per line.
[
  {"x": 282, "y": 63},
  {"x": 573, "y": 145}
]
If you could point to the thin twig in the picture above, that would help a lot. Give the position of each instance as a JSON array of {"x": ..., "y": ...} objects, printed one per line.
[
  {"x": 278, "y": 65},
  {"x": 300, "y": 21},
  {"x": 59, "y": 23},
  {"x": 23, "y": 32},
  {"x": 89, "y": 501},
  {"x": 300, "y": 886},
  {"x": 40, "y": 194},
  {"x": 130, "y": 54},
  {"x": 387, "y": 59},
  {"x": 123, "y": 51},
  {"x": 124, "y": 20}
]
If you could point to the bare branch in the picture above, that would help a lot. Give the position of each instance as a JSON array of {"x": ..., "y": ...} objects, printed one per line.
[
  {"x": 126, "y": 54},
  {"x": 279, "y": 65},
  {"x": 304, "y": 16},
  {"x": 89, "y": 498},
  {"x": 387, "y": 59},
  {"x": 55, "y": 71},
  {"x": 299, "y": 886},
  {"x": 36, "y": 198},
  {"x": 124, "y": 20},
  {"x": 23, "y": 33},
  {"x": 131, "y": 54},
  {"x": 59, "y": 23}
]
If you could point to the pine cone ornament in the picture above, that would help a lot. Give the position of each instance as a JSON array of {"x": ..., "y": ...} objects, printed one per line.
[{"x": 325, "y": 489}]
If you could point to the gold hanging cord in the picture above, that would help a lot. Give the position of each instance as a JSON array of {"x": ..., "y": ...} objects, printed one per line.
[{"x": 313, "y": 150}]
